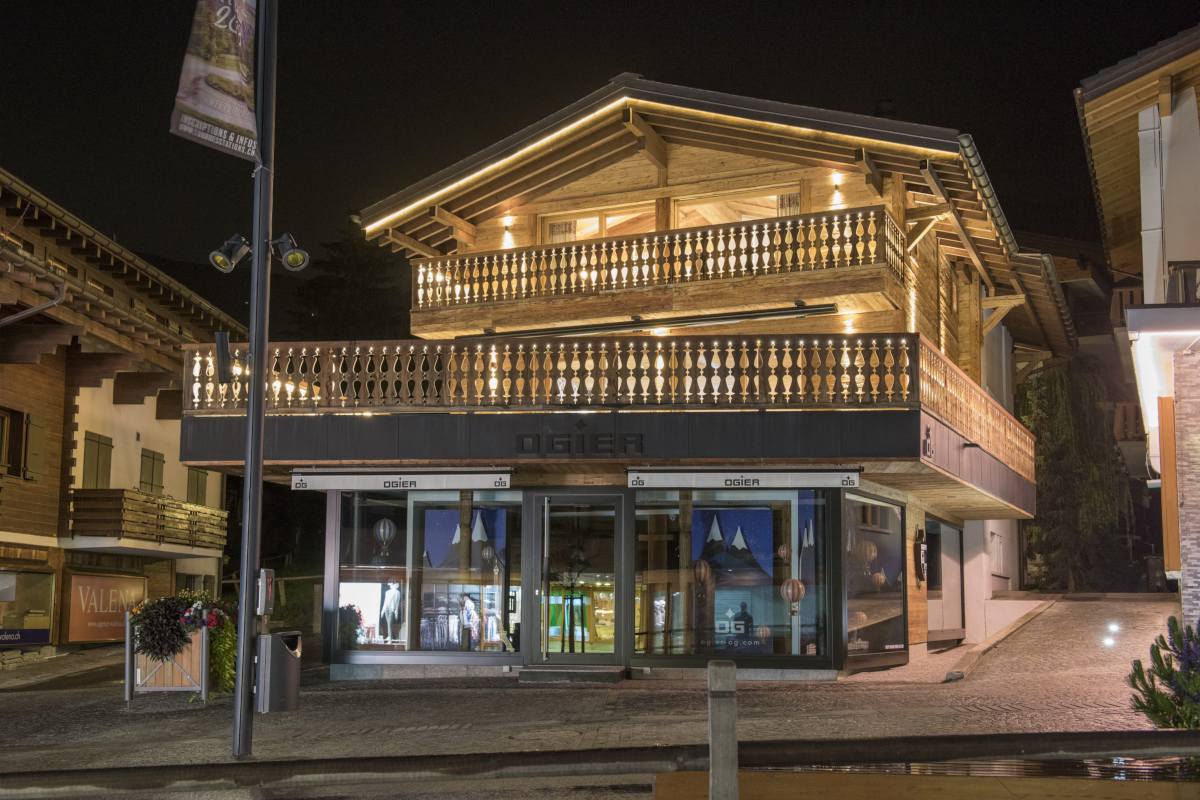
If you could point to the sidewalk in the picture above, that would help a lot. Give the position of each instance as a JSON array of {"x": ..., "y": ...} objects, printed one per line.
[
  {"x": 31, "y": 674},
  {"x": 1054, "y": 674}
]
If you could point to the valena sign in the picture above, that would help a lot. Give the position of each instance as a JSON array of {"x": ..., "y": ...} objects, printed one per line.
[
  {"x": 649, "y": 479},
  {"x": 391, "y": 481},
  {"x": 97, "y": 605}
]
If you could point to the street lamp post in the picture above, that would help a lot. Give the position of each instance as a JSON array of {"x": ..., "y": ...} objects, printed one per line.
[{"x": 260, "y": 292}]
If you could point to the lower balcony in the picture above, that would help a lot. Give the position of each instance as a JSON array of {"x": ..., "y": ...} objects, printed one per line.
[
  {"x": 129, "y": 521},
  {"x": 916, "y": 417}
]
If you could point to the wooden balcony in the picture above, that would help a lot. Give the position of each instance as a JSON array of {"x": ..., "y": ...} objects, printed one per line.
[
  {"x": 127, "y": 514},
  {"x": 825, "y": 372},
  {"x": 851, "y": 257}
]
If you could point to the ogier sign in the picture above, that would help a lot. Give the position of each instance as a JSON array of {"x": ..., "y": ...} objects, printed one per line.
[{"x": 98, "y": 603}]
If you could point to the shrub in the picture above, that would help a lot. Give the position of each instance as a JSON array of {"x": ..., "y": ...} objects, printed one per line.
[
  {"x": 165, "y": 626},
  {"x": 159, "y": 629},
  {"x": 1169, "y": 692}
]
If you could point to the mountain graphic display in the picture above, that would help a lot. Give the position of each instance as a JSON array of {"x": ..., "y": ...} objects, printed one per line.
[
  {"x": 444, "y": 536},
  {"x": 738, "y": 561}
]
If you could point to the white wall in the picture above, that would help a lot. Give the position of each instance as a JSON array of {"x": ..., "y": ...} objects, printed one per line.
[
  {"x": 986, "y": 541},
  {"x": 131, "y": 428}
]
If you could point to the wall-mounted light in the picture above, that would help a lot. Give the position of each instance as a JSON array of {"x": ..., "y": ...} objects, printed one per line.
[
  {"x": 660, "y": 331},
  {"x": 507, "y": 240}
]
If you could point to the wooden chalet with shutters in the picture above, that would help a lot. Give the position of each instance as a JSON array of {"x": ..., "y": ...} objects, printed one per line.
[
  {"x": 91, "y": 484},
  {"x": 666, "y": 277}
]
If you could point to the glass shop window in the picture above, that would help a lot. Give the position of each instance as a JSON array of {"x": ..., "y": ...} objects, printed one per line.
[
  {"x": 26, "y": 602},
  {"x": 433, "y": 571},
  {"x": 874, "y": 576},
  {"x": 598, "y": 224},
  {"x": 730, "y": 573},
  {"x": 725, "y": 209}
]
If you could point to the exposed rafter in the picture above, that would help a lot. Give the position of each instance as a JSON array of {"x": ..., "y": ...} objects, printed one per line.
[
  {"x": 399, "y": 240},
  {"x": 464, "y": 231},
  {"x": 871, "y": 175},
  {"x": 926, "y": 212},
  {"x": 653, "y": 145},
  {"x": 939, "y": 192}
]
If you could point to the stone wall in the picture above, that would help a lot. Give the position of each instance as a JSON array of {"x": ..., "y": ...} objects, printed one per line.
[{"x": 1187, "y": 459}]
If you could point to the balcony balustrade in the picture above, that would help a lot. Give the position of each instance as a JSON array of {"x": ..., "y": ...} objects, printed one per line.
[
  {"x": 727, "y": 373},
  {"x": 127, "y": 513},
  {"x": 827, "y": 240}
]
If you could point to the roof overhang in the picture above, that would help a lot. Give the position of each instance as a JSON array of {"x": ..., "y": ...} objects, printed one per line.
[
  {"x": 1156, "y": 334},
  {"x": 130, "y": 546}
]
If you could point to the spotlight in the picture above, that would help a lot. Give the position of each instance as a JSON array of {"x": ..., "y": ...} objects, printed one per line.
[
  {"x": 1113, "y": 627},
  {"x": 294, "y": 257},
  {"x": 1109, "y": 641},
  {"x": 229, "y": 254}
]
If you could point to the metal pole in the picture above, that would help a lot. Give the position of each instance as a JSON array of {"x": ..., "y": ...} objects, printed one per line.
[
  {"x": 260, "y": 292},
  {"x": 722, "y": 731}
]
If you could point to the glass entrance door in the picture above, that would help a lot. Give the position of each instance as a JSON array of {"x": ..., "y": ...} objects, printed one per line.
[{"x": 578, "y": 591}]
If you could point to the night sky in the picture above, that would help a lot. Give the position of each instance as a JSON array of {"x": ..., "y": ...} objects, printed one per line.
[{"x": 375, "y": 95}]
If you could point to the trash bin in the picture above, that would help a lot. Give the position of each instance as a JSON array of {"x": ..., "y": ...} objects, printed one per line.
[{"x": 278, "y": 685}]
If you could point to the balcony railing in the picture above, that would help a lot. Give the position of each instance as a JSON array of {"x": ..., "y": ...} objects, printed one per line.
[
  {"x": 131, "y": 514},
  {"x": 822, "y": 371},
  {"x": 828, "y": 240}
]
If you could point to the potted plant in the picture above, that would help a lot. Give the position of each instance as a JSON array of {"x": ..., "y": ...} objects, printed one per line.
[{"x": 1168, "y": 693}]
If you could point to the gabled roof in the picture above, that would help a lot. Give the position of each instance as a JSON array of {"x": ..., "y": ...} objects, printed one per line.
[
  {"x": 600, "y": 129},
  {"x": 1108, "y": 104}
]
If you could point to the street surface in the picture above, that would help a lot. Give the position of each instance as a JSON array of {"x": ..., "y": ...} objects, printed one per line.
[{"x": 1055, "y": 674}]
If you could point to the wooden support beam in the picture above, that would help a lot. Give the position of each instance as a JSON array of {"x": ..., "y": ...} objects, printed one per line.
[
  {"x": 1000, "y": 304},
  {"x": 653, "y": 145},
  {"x": 25, "y": 343},
  {"x": 463, "y": 231},
  {"x": 90, "y": 369},
  {"x": 1030, "y": 309},
  {"x": 399, "y": 240},
  {"x": 132, "y": 388},
  {"x": 919, "y": 231},
  {"x": 1164, "y": 95},
  {"x": 926, "y": 212},
  {"x": 871, "y": 176},
  {"x": 1034, "y": 361},
  {"x": 169, "y": 404},
  {"x": 939, "y": 191}
]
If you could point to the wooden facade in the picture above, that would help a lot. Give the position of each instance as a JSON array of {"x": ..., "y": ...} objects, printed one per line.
[{"x": 78, "y": 312}]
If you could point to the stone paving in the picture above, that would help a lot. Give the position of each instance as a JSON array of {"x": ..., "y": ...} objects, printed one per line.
[{"x": 1054, "y": 674}]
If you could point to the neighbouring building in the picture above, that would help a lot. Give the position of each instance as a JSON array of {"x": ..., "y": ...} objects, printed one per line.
[
  {"x": 1141, "y": 131},
  {"x": 697, "y": 376},
  {"x": 96, "y": 509}
]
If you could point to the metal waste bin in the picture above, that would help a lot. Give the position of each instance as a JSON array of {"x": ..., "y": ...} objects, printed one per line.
[{"x": 278, "y": 685}]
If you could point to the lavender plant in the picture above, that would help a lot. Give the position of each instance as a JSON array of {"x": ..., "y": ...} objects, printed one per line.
[{"x": 1168, "y": 693}]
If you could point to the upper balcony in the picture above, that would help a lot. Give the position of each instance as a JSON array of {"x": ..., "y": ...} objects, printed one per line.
[{"x": 852, "y": 258}]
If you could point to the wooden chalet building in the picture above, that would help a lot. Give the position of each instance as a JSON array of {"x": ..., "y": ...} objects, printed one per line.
[
  {"x": 697, "y": 375},
  {"x": 96, "y": 509}
]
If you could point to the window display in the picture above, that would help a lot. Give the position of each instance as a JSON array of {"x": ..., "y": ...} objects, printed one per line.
[
  {"x": 431, "y": 570},
  {"x": 730, "y": 572},
  {"x": 874, "y": 574},
  {"x": 25, "y": 606}
]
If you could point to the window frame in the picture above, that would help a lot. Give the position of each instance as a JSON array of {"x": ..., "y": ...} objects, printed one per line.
[{"x": 545, "y": 220}]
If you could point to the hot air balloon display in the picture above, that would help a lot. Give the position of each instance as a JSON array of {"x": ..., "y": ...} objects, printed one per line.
[
  {"x": 703, "y": 572},
  {"x": 385, "y": 533},
  {"x": 792, "y": 590},
  {"x": 763, "y": 632},
  {"x": 879, "y": 579}
]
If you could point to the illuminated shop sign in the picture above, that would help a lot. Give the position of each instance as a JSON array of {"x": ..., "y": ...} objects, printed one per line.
[
  {"x": 408, "y": 481},
  {"x": 743, "y": 480}
]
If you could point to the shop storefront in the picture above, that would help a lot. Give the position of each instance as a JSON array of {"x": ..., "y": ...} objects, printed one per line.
[{"x": 774, "y": 569}]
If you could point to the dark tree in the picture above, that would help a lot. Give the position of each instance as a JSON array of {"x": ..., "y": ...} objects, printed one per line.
[
  {"x": 356, "y": 290},
  {"x": 1077, "y": 541}
]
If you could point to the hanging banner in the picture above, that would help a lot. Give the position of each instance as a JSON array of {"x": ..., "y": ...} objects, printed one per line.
[
  {"x": 97, "y": 604},
  {"x": 639, "y": 479},
  {"x": 215, "y": 102},
  {"x": 411, "y": 481}
]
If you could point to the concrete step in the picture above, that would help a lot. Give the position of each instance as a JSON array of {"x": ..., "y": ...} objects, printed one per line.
[{"x": 571, "y": 674}]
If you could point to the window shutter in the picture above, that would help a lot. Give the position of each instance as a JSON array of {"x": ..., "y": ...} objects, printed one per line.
[
  {"x": 35, "y": 448},
  {"x": 103, "y": 465}
]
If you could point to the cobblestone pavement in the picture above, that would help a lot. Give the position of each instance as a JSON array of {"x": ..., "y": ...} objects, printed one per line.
[{"x": 1055, "y": 674}]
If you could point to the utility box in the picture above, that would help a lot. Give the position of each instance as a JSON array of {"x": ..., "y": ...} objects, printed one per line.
[{"x": 278, "y": 684}]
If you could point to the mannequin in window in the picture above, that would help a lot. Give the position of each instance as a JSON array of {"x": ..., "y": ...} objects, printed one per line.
[
  {"x": 469, "y": 619},
  {"x": 390, "y": 615}
]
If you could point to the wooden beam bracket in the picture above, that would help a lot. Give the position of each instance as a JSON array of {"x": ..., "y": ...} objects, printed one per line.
[
  {"x": 871, "y": 175},
  {"x": 653, "y": 145},
  {"x": 399, "y": 240}
]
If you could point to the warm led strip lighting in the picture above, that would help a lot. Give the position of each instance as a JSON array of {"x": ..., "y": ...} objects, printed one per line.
[
  {"x": 429, "y": 199},
  {"x": 432, "y": 197}
]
